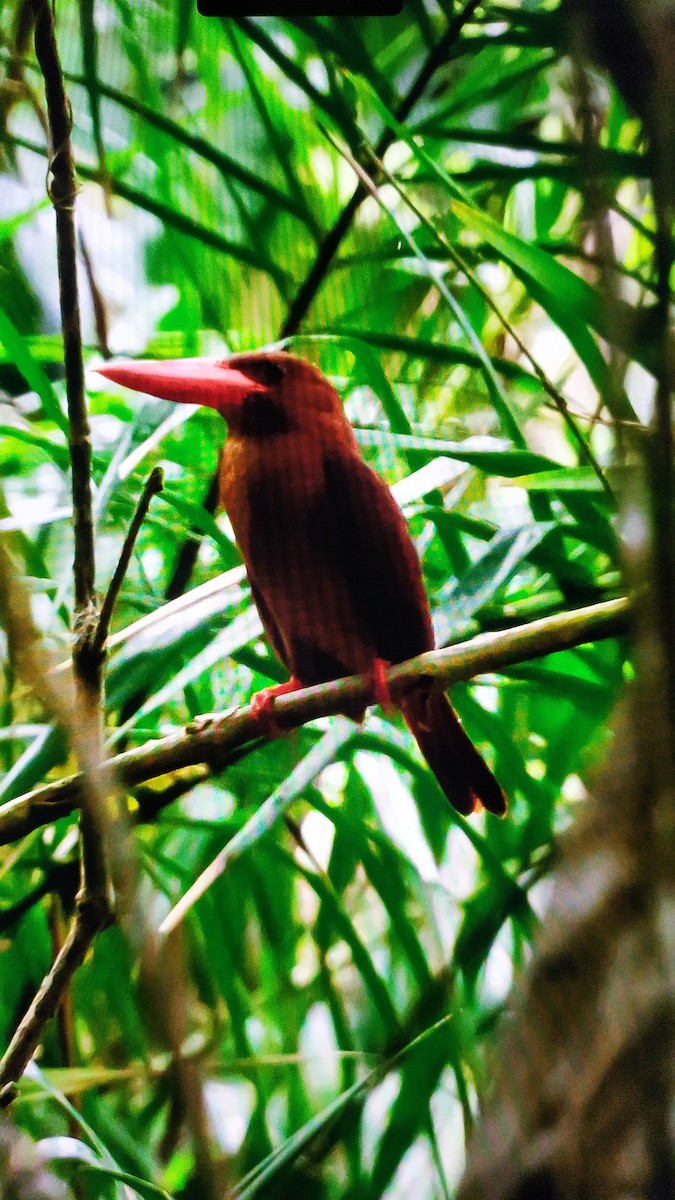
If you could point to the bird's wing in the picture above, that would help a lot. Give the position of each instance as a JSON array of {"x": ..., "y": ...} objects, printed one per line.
[
  {"x": 368, "y": 539},
  {"x": 333, "y": 570}
]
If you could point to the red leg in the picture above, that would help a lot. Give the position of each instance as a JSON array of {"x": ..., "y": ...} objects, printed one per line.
[
  {"x": 381, "y": 692},
  {"x": 262, "y": 704}
]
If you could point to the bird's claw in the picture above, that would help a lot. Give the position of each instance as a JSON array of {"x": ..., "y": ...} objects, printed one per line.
[
  {"x": 381, "y": 689},
  {"x": 262, "y": 705}
]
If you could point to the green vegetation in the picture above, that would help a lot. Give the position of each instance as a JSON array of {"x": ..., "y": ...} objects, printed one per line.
[{"x": 455, "y": 223}]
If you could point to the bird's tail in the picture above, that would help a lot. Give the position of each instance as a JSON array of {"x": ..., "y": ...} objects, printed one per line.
[{"x": 465, "y": 778}]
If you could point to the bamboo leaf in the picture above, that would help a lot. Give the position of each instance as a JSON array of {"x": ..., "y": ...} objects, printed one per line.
[{"x": 20, "y": 354}]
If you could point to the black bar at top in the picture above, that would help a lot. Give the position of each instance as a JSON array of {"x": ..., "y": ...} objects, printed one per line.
[{"x": 299, "y": 8}]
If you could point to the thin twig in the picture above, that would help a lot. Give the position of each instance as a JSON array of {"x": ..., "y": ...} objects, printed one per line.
[
  {"x": 82, "y": 716},
  {"x": 59, "y": 697},
  {"x": 299, "y": 307},
  {"x": 91, "y": 917},
  {"x": 333, "y": 239},
  {"x": 215, "y": 740},
  {"x": 97, "y": 298},
  {"x": 153, "y": 485},
  {"x": 92, "y": 913},
  {"x": 87, "y": 657},
  {"x": 558, "y": 400},
  {"x": 62, "y": 191},
  {"x": 103, "y": 831}
]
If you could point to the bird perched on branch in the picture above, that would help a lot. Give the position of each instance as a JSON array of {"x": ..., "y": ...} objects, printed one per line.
[{"x": 332, "y": 568}]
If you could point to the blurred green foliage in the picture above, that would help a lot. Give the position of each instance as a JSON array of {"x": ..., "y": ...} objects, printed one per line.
[{"x": 345, "y": 975}]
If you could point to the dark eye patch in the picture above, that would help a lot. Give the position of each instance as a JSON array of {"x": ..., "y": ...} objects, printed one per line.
[{"x": 261, "y": 415}]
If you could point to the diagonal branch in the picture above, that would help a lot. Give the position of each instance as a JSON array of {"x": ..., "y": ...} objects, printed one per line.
[
  {"x": 90, "y": 919},
  {"x": 333, "y": 239},
  {"x": 59, "y": 696},
  {"x": 153, "y": 486},
  {"x": 218, "y": 740}
]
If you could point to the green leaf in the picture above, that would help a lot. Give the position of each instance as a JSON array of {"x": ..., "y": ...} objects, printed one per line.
[
  {"x": 570, "y": 301},
  {"x": 493, "y": 455},
  {"x": 19, "y": 353},
  {"x": 69, "y": 1151},
  {"x": 44, "y": 752},
  {"x": 490, "y": 572},
  {"x": 567, "y": 479},
  {"x": 484, "y": 915},
  {"x": 41, "y": 441},
  {"x": 10, "y": 225}
]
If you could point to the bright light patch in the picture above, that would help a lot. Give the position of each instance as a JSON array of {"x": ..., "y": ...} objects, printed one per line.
[
  {"x": 397, "y": 811},
  {"x": 318, "y": 834},
  {"x": 229, "y": 1107},
  {"x": 318, "y": 1048}
]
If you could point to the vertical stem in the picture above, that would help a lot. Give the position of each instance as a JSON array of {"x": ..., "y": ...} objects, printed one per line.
[
  {"x": 63, "y": 190},
  {"x": 102, "y": 830},
  {"x": 87, "y": 657}
]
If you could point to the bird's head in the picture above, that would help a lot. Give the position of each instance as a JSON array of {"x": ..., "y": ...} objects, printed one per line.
[{"x": 258, "y": 394}]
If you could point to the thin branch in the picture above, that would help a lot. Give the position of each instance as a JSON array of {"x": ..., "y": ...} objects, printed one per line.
[
  {"x": 59, "y": 696},
  {"x": 82, "y": 714},
  {"x": 97, "y": 299},
  {"x": 92, "y": 912},
  {"x": 62, "y": 191},
  {"x": 372, "y": 185},
  {"x": 333, "y": 239},
  {"x": 92, "y": 915},
  {"x": 326, "y": 252},
  {"x": 216, "y": 740},
  {"x": 87, "y": 655},
  {"x": 153, "y": 485}
]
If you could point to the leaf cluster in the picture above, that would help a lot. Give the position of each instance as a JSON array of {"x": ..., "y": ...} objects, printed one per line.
[{"x": 416, "y": 205}]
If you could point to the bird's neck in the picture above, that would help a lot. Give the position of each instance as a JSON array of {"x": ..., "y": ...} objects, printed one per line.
[
  {"x": 290, "y": 464},
  {"x": 265, "y": 458}
]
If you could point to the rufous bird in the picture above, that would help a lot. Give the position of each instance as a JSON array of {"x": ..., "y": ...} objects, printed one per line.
[{"x": 333, "y": 570}]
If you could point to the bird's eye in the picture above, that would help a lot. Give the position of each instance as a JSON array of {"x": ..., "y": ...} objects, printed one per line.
[{"x": 262, "y": 370}]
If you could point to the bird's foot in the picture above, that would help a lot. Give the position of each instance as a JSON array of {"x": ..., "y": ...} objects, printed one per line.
[
  {"x": 381, "y": 689},
  {"x": 262, "y": 705}
]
